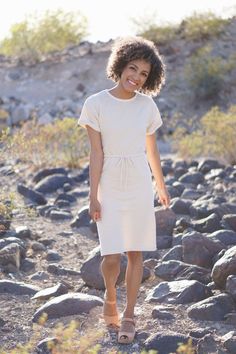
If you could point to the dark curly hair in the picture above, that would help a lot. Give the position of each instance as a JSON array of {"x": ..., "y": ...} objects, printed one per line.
[{"x": 131, "y": 48}]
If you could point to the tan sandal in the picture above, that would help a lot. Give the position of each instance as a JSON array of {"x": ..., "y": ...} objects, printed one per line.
[
  {"x": 111, "y": 321},
  {"x": 126, "y": 337}
]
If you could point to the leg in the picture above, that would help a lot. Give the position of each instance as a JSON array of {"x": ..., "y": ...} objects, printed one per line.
[
  {"x": 133, "y": 279},
  {"x": 110, "y": 269}
]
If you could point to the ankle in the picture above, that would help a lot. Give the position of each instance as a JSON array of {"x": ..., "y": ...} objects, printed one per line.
[{"x": 128, "y": 313}]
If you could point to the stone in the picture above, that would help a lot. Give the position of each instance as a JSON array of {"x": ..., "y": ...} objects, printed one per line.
[
  {"x": 175, "y": 253},
  {"x": 17, "y": 288},
  {"x": 166, "y": 343},
  {"x": 70, "y": 304},
  {"x": 178, "y": 292},
  {"x": 214, "y": 308},
  {"x": 32, "y": 195},
  {"x": 165, "y": 221},
  {"x": 224, "y": 267},
  {"x": 199, "y": 249},
  {"x": 52, "y": 183},
  {"x": 56, "y": 290}
]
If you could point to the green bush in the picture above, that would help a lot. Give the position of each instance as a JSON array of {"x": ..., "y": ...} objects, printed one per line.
[
  {"x": 205, "y": 73},
  {"x": 59, "y": 143},
  {"x": 202, "y": 26},
  {"x": 215, "y": 138},
  {"x": 31, "y": 39}
]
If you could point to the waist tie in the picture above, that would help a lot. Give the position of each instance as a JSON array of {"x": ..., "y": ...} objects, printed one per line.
[{"x": 124, "y": 160}]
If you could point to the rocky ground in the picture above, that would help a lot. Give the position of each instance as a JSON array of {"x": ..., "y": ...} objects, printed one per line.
[{"x": 188, "y": 288}]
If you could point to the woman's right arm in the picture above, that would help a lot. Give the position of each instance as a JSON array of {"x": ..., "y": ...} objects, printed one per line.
[{"x": 95, "y": 170}]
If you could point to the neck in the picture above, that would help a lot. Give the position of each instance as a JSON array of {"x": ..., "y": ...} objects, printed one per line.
[{"x": 119, "y": 92}]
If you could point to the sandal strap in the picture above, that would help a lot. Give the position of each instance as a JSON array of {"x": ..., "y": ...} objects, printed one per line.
[{"x": 128, "y": 319}]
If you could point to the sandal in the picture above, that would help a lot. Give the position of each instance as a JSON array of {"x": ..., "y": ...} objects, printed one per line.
[
  {"x": 111, "y": 320},
  {"x": 124, "y": 336}
]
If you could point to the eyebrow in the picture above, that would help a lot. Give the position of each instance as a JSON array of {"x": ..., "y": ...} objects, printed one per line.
[{"x": 137, "y": 68}]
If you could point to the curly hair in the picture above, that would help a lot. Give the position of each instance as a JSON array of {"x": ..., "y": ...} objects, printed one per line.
[{"x": 131, "y": 48}]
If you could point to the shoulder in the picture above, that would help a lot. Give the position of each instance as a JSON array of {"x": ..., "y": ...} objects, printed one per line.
[
  {"x": 95, "y": 98},
  {"x": 146, "y": 99}
]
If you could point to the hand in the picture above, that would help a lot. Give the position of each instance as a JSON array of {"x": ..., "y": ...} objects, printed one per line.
[
  {"x": 95, "y": 210},
  {"x": 164, "y": 196}
]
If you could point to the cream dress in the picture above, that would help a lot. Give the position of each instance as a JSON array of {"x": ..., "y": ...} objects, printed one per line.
[{"x": 125, "y": 189}]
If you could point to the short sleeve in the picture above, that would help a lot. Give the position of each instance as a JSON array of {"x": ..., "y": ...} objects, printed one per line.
[
  {"x": 154, "y": 121},
  {"x": 89, "y": 114}
]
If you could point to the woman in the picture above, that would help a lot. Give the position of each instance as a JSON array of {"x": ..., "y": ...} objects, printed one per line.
[{"x": 121, "y": 124}]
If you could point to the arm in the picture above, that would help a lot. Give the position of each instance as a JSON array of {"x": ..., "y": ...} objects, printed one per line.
[
  {"x": 95, "y": 169},
  {"x": 155, "y": 164}
]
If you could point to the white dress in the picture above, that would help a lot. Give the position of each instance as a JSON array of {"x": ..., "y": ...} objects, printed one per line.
[{"x": 125, "y": 189}]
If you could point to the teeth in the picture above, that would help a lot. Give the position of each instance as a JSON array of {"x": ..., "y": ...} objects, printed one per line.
[{"x": 132, "y": 83}]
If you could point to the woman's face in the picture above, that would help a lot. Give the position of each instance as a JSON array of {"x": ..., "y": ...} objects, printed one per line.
[{"x": 134, "y": 75}]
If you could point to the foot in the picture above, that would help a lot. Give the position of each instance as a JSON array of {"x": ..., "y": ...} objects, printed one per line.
[
  {"x": 110, "y": 313},
  {"x": 127, "y": 330}
]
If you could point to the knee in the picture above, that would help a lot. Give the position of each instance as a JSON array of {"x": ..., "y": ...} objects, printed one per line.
[
  {"x": 112, "y": 260},
  {"x": 135, "y": 256}
]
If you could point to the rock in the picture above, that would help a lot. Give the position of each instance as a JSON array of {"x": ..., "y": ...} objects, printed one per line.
[
  {"x": 199, "y": 249},
  {"x": 161, "y": 312},
  {"x": 230, "y": 318},
  {"x": 60, "y": 215},
  {"x": 17, "y": 288},
  {"x": 34, "y": 196},
  {"x": 209, "y": 224},
  {"x": 166, "y": 343},
  {"x": 65, "y": 197},
  {"x": 23, "y": 232},
  {"x": 53, "y": 291},
  {"x": 180, "y": 206},
  {"x": 164, "y": 241},
  {"x": 58, "y": 269},
  {"x": 44, "y": 119},
  {"x": 192, "y": 177},
  {"x": 199, "y": 332},
  {"x": 229, "y": 341},
  {"x": 208, "y": 345},
  {"x": 10, "y": 254},
  {"x": 165, "y": 221},
  {"x": 83, "y": 218},
  {"x": 179, "y": 292},
  {"x": 50, "y": 184},
  {"x": 207, "y": 165},
  {"x": 224, "y": 267},
  {"x": 231, "y": 286},
  {"x": 226, "y": 237},
  {"x": 40, "y": 275},
  {"x": 230, "y": 220},
  {"x": 38, "y": 247},
  {"x": 68, "y": 305},
  {"x": 175, "y": 253},
  {"x": 48, "y": 172},
  {"x": 191, "y": 194},
  {"x": 214, "y": 308},
  {"x": 53, "y": 256},
  {"x": 21, "y": 113}
]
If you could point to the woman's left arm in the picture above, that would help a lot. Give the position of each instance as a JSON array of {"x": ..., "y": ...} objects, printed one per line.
[{"x": 155, "y": 164}]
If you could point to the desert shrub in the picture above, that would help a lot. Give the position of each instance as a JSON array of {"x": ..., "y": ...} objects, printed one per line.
[
  {"x": 53, "y": 31},
  {"x": 200, "y": 26},
  {"x": 147, "y": 27},
  {"x": 59, "y": 143},
  {"x": 215, "y": 138},
  {"x": 205, "y": 73}
]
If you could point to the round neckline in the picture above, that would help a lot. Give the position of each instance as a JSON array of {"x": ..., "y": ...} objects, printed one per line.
[{"x": 121, "y": 99}]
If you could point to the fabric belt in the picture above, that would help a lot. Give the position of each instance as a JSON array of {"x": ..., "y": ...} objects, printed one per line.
[{"x": 125, "y": 161}]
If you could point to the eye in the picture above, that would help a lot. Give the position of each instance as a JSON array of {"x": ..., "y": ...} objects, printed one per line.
[{"x": 132, "y": 67}]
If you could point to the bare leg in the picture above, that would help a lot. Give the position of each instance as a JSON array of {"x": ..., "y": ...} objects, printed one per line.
[
  {"x": 133, "y": 278},
  {"x": 110, "y": 268}
]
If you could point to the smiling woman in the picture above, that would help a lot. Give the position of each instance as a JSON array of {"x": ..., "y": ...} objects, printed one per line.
[{"x": 121, "y": 124}]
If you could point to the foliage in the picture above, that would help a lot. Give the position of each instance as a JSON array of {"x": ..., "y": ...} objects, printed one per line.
[
  {"x": 205, "y": 73},
  {"x": 53, "y": 31},
  {"x": 61, "y": 142},
  {"x": 198, "y": 26},
  {"x": 216, "y": 137},
  {"x": 202, "y": 26}
]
